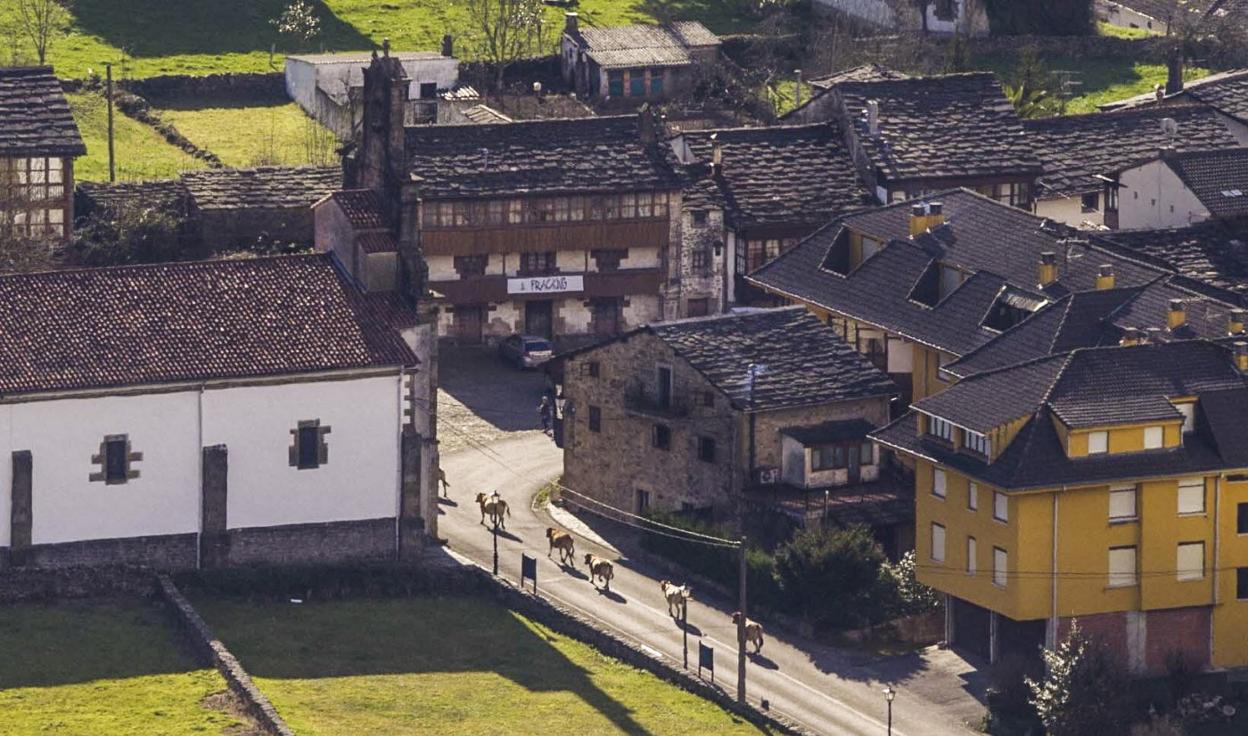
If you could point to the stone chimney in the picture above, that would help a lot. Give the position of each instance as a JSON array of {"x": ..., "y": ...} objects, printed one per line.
[
  {"x": 647, "y": 124},
  {"x": 1048, "y": 268},
  {"x": 1176, "y": 314},
  {"x": 1235, "y": 322},
  {"x": 717, "y": 154},
  {"x": 873, "y": 118},
  {"x": 448, "y": 45},
  {"x": 1174, "y": 73},
  {"x": 1105, "y": 278},
  {"x": 383, "y": 149},
  {"x": 1240, "y": 349},
  {"x": 571, "y": 23},
  {"x": 924, "y": 217}
]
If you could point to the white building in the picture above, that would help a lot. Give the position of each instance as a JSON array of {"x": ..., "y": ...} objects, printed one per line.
[
  {"x": 942, "y": 16},
  {"x": 1180, "y": 189},
  {"x": 207, "y": 414}
]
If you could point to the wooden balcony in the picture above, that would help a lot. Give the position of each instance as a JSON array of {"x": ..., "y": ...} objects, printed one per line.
[{"x": 467, "y": 241}]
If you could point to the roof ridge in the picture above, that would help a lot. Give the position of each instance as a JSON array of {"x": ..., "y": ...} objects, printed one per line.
[
  {"x": 524, "y": 123},
  {"x": 130, "y": 267}
]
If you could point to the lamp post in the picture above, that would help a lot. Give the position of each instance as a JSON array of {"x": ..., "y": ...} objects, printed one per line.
[{"x": 889, "y": 694}]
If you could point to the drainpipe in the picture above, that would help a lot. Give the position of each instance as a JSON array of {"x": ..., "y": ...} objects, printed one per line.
[
  {"x": 1053, "y": 577},
  {"x": 199, "y": 461},
  {"x": 1213, "y": 568},
  {"x": 398, "y": 489}
]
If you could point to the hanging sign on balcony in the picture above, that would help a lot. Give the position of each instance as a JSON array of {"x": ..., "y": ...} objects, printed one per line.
[{"x": 546, "y": 284}]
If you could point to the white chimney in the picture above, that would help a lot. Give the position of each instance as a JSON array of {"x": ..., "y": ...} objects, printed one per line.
[{"x": 873, "y": 117}]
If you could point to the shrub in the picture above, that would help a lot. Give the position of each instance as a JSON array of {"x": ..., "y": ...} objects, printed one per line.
[
  {"x": 836, "y": 577},
  {"x": 1084, "y": 693},
  {"x": 130, "y": 234},
  {"x": 913, "y": 597}
]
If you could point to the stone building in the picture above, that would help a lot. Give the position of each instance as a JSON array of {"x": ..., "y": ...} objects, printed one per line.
[
  {"x": 213, "y": 413},
  {"x": 701, "y": 414},
  {"x": 968, "y": 17},
  {"x": 635, "y": 63},
  {"x": 39, "y": 141},
  {"x": 1178, "y": 189}
]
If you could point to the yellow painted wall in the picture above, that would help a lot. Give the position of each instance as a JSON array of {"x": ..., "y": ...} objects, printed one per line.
[
  {"x": 1121, "y": 438},
  {"x": 927, "y": 381},
  {"x": 1163, "y": 529},
  {"x": 1230, "y": 619}
]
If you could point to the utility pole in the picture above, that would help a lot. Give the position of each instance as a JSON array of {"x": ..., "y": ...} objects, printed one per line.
[
  {"x": 496, "y": 515},
  {"x": 112, "y": 167},
  {"x": 684, "y": 625},
  {"x": 741, "y": 622}
]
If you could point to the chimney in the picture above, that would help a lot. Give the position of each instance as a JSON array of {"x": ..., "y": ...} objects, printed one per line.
[
  {"x": 918, "y": 220},
  {"x": 1175, "y": 315},
  {"x": 448, "y": 45},
  {"x": 1235, "y": 322},
  {"x": 873, "y": 117},
  {"x": 1048, "y": 268},
  {"x": 646, "y": 124},
  {"x": 1174, "y": 73},
  {"x": 1159, "y": 92},
  {"x": 797, "y": 89},
  {"x": 717, "y": 154},
  {"x": 1133, "y": 336},
  {"x": 1105, "y": 277},
  {"x": 571, "y": 23},
  {"x": 1240, "y": 348}
]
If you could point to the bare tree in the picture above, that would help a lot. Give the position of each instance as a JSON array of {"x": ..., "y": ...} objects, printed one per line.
[
  {"x": 39, "y": 18},
  {"x": 508, "y": 30}
]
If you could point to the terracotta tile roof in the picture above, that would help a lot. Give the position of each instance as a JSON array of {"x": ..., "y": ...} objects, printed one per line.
[
  {"x": 1076, "y": 148},
  {"x": 362, "y": 208},
  {"x": 35, "y": 119},
  {"x": 191, "y": 321},
  {"x": 266, "y": 187}
]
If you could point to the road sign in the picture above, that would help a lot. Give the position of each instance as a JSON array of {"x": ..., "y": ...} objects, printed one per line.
[
  {"x": 706, "y": 660},
  {"x": 528, "y": 569}
]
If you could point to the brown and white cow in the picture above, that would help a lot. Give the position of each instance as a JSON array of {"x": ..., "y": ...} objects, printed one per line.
[
  {"x": 753, "y": 631},
  {"x": 563, "y": 542},
  {"x": 677, "y": 597},
  {"x": 599, "y": 568},
  {"x": 495, "y": 507}
]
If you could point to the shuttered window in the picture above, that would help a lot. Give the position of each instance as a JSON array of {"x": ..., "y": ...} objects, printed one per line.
[
  {"x": 1192, "y": 496},
  {"x": 1122, "y": 503},
  {"x": 1122, "y": 571},
  {"x": 1190, "y": 561},
  {"x": 938, "y": 543}
]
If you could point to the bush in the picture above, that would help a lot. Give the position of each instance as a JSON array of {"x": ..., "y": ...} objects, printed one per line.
[
  {"x": 836, "y": 577},
  {"x": 130, "y": 234},
  {"x": 913, "y": 597},
  {"x": 1084, "y": 693}
]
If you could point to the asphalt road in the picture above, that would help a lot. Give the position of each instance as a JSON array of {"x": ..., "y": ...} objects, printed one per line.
[{"x": 828, "y": 690}]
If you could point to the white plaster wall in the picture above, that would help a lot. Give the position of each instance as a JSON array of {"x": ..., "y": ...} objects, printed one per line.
[
  {"x": 568, "y": 261},
  {"x": 1237, "y": 129},
  {"x": 360, "y": 480},
  {"x": 1069, "y": 210},
  {"x": 441, "y": 268},
  {"x": 1124, "y": 17},
  {"x": 643, "y": 309},
  {"x": 62, "y": 437},
  {"x": 574, "y": 314},
  {"x": 507, "y": 318},
  {"x": 1153, "y": 196},
  {"x": 641, "y": 258},
  {"x": 331, "y": 76},
  {"x": 301, "y": 83},
  {"x": 872, "y": 11}
]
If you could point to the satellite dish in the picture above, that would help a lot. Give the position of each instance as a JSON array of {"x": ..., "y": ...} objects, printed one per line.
[{"x": 1169, "y": 126}]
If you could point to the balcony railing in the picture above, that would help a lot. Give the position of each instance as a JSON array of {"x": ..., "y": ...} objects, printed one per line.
[{"x": 640, "y": 400}]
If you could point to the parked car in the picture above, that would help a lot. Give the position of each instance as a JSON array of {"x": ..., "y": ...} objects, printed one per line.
[{"x": 526, "y": 351}]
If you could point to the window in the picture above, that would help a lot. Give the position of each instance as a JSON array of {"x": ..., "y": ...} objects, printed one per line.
[
  {"x": 1153, "y": 438},
  {"x": 637, "y": 84},
  {"x": 537, "y": 263},
  {"x": 1190, "y": 561},
  {"x": 698, "y": 307},
  {"x": 656, "y": 83},
  {"x": 645, "y": 204},
  {"x": 1090, "y": 201},
  {"x": 866, "y": 454},
  {"x": 1241, "y": 518},
  {"x": 1000, "y": 561},
  {"x": 972, "y": 496},
  {"x": 976, "y": 442},
  {"x": 662, "y": 437},
  {"x": 595, "y": 419},
  {"x": 309, "y": 451},
  {"x": 643, "y": 501},
  {"x": 706, "y": 449},
  {"x": 938, "y": 427},
  {"x": 698, "y": 217},
  {"x": 628, "y": 206},
  {"x": 595, "y": 369},
  {"x": 1122, "y": 567},
  {"x": 700, "y": 260},
  {"x": 615, "y": 84},
  {"x": 938, "y": 543},
  {"x": 1192, "y": 496},
  {"x": 970, "y": 555},
  {"x": 469, "y": 266},
  {"x": 663, "y": 378},
  {"x": 1098, "y": 442},
  {"x": 1122, "y": 504},
  {"x": 1000, "y": 506},
  {"x": 708, "y": 398},
  {"x": 1188, "y": 411},
  {"x": 609, "y": 260},
  {"x": 938, "y": 483},
  {"x": 1241, "y": 583},
  {"x": 827, "y": 457},
  {"x": 114, "y": 462}
]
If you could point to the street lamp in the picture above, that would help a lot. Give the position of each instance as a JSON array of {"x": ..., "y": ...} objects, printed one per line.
[{"x": 889, "y": 694}]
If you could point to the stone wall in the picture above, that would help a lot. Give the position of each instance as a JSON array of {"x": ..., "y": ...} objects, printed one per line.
[
  {"x": 162, "y": 552},
  {"x": 333, "y": 542},
  {"x": 257, "y": 87},
  {"x": 17, "y": 585}
]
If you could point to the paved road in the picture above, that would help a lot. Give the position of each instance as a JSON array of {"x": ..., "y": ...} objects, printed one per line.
[{"x": 831, "y": 691}]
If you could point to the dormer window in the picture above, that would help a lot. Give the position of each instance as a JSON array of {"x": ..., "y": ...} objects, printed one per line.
[
  {"x": 1154, "y": 438},
  {"x": 1098, "y": 442},
  {"x": 938, "y": 427},
  {"x": 976, "y": 442},
  {"x": 1188, "y": 410}
]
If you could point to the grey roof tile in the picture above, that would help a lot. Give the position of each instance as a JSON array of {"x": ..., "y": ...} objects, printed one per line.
[
  {"x": 1219, "y": 179},
  {"x": 265, "y": 187},
  {"x": 35, "y": 119},
  {"x": 646, "y": 45},
  {"x": 1213, "y": 252}
]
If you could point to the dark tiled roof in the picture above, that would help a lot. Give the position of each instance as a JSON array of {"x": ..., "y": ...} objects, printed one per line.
[
  {"x": 362, "y": 208},
  {"x": 1219, "y": 179},
  {"x": 377, "y": 243},
  {"x": 1076, "y": 148},
  {"x": 988, "y": 400},
  {"x": 785, "y": 174},
  {"x": 864, "y": 73},
  {"x": 604, "y": 154},
  {"x": 1226, "y": 92},
  {"x": 35, "y": 119},
  {"x": 702, "y": 193},
  {"x": 804, "y": 361},
  {"x": 833, "y": 431},
  {"x": 1213, "y": 252},
  {"x": 166, "y": 195},
  {"x": 646, "y": 45},
  {"x": 267, "y": 187},
  {"x": 958, "y": 125},
  {"x": 1224, "y": 413},
  {"x": 113, "y": 327}
]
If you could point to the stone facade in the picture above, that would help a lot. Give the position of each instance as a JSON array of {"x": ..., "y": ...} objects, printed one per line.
[{"x": 703, "y": 261}]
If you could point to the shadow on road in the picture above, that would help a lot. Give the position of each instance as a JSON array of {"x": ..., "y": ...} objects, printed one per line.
[
  {"x": 694, "y": 630},
  {"x": 572, "y": 571},
  {"x": 762, "y": 661},
  {"x": 492, "y": 390},
  {"x": 611, "y": 595},
  {"x": 444, "y": 501}
]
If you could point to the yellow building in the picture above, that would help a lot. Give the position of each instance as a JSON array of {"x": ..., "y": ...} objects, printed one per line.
[{"x": 1107, "y": 484}]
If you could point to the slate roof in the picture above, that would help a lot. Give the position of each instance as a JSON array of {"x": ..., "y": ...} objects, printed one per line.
[
  {"x": 836, "y": 430},
  {"x": 35, "y": 119},
  {"x": 863, "y": 73},
  {"x": 805, "y": 361},
  {"x": 361, "y": 207},
  {"x": 1212, "y": 251},
  {"x": 1225, "y": 91},
  {"x": 190, "y": 321},
  {"x": 166, "y": 195},
  {"x": 783, "y": 174},
  {"x": 952, "y": 126},
  {"x": 1076, "y": 148},
  {"x": 645, "y": 45},
  {"x": 1219, "y": 179},
  {"x": 266, "y": 187},
  {"x": 604, "y": 154},
  {"x": 1094, "y": 386}
]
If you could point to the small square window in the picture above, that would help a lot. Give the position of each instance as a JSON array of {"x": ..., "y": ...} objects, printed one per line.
[
  {"x": 706, "y": 449},
  {"x": 643, "y": 502},
  {"x": 1241, "y": 518},
  {"x": 938, "y": 543},
  {"x": 1122, "y": 567},
  {"x": 698, "y": 217},
  {"x": 662, "y": 437},
  {"x": 1000, "y": 506},
  {"x": 1098, "y": 442},
  {"x": 1090, "y": 202},
  {"x": 1154, "y": 438},
  {"x": 309, "y": 450},
  {"x": 595, "y": 419}
]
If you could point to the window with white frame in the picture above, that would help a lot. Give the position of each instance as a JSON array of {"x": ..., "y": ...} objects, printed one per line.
[
  {"x": 1192, "y": 496},
  {"x": 938, "y": 427},
  {"x": 972, "y": 496},
  {"x": 938, "y": 542},
  {"x": 938, "y": 483},
  {"x": 1154, "y": 438},
  {"x": 970, "y": 555},
  {"x": 1098, "y": 442},
  {"x": 1000, "y": 506},
  {"x": 1122, "y": 572},
  {"x": 1190, "y": 561},
  {"x": 977, "y": 442},
  {"x": 1122, "y": 505},
  {"x": 1000, "y": 563},
  {"x": 1188, "y": 410}
]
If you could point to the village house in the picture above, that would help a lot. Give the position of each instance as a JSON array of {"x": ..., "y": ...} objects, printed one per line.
[
  {"x": 561, "y": 229},
  {"x": 39, "y": 141},
  {"x": 1213, "y": 252},
  {"x": 771, "y": 404},
  {"x": 1225, "y": 92},
  {"x": 635, "y": 63},
  {"x": 911, "y": 137},
  {"x": 213, "y": 413},
  {"x": 968, "y": 17},
  {"x": 1080, "y": 153},
  {"x": 1107, "y": 485},
  {"x": 1177, "y": 189},
  {"x": 775, "y": 186},
  {"x": 1163, "y": 16}
]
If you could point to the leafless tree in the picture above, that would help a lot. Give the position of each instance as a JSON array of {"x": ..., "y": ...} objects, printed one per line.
[
  {"x": 39, "y": 19},
  {"x": 508, "y": 30}
]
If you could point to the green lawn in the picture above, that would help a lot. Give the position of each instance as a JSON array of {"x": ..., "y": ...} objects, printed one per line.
[
  {"x": 212, "y": 36},
  {"x": 256, "y": 136},
  {"x": 445, "y": 666},
  {"x": 101, "y": 667},
  {"x": 1105, "y": 29},
  {"x": 141, "y": 152}
]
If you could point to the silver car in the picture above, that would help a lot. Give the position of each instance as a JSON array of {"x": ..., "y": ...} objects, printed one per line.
[{"x": 525, "y": 351}]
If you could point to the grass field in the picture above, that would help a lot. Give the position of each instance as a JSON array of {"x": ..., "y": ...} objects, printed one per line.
[
  {"x": 141, "y": 152},
  {"x": 107, "y": 668},
  {"x": 213, "y": 36},
  {"x": 445, "y": 666},
  {"x": 256, "y": 136}
]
